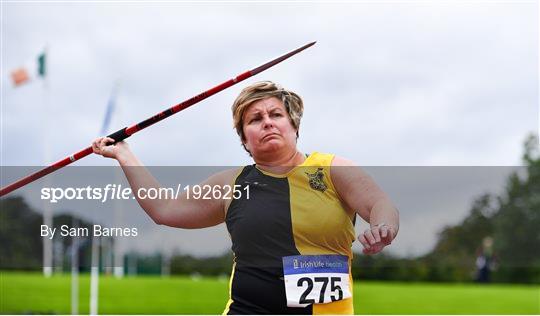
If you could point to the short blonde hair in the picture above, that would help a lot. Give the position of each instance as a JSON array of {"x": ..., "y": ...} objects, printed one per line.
[{"x": 262, "y": 90}]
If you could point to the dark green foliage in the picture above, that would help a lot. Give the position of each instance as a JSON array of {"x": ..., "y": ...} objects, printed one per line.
[
  {"x": 20, "y": 242},
  {"x": 512, "y": 219}
]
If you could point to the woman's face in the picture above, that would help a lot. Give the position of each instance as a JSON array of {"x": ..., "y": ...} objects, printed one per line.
[{"x": 267, "y": 128}]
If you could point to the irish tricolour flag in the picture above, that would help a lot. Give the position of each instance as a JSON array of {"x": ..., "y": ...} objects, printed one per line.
[{"x": 31, "y": 70}]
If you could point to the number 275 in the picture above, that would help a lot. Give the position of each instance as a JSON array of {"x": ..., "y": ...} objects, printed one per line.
[{"x": 324, "y": 280}]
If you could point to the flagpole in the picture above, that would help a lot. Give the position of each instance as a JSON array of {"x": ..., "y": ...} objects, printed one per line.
[
  {"x": 108, "y": 245},
  {"x": 119, "y": 243},
  {"x": 94, "y": 276},
  {"x": 47, "y": 207},
  {"x": 97, "y": 241},
  {"x": 75, "y": 270}
]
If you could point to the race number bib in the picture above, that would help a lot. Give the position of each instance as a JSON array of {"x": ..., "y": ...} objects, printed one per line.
[{"x": 316, "y": 279}]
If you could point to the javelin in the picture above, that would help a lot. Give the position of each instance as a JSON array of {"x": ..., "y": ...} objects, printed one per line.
[{"x": 125, "y": 132}]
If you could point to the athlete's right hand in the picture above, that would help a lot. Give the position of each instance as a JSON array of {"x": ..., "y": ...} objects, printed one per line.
[{"x": 100, "y": 147}]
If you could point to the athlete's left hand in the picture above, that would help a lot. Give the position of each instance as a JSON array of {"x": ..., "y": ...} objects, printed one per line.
[{"x": 376, "y": 238}]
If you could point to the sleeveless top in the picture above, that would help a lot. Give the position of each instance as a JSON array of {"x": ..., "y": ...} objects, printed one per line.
[{"x": 297, "y": 213}]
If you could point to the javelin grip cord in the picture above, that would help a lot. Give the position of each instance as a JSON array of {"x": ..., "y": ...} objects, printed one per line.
[{"x": 118, "y": 136}]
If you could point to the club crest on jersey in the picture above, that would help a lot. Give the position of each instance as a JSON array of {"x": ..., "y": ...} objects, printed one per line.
[{"x": 316, "y": 180}]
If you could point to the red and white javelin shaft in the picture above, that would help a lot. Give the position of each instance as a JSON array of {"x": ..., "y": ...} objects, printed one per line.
[{"x": 128, "y": 131}]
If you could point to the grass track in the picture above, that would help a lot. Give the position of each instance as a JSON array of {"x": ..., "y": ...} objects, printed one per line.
[{"x": 32, "y": 293}]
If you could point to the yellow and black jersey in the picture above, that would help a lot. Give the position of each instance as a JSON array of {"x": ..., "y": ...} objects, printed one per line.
[{"x": 298, "y": 213}]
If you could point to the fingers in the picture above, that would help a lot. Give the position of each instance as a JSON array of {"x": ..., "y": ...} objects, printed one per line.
[
  {"x": 387, "y": 234},
  {"x": 376, "y": 238},
  {"x": 362, "y": 239},
  {"x": 384, "y": 231},
  {"x": 369, "y": 249},
  {"x": 375, "y": 231},
  {"x": 96, "y": 145},
  {"x": 367, "y": 240},
  {"x": 374, "y": 249},
  {"x": 105, "y": 141},
  {"x": 101, "y": 146},
  {"x": 369, "y": 236}
]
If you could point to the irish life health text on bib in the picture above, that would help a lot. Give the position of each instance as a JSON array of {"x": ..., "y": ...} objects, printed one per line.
[{"x": 316, "y": 279}]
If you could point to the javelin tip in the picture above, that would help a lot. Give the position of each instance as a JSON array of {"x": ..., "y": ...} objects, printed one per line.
[
  {"x": 307, "y": 45},
  {"x": 280, "y": 59}
]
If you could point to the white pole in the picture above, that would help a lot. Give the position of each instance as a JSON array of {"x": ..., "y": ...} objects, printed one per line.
[
  {"x": 94, "y": 270},
  {"x": 106, "y": 254},
  {"x": 118, "y": 242},
  {"x": 94, "y": 277},
  {"x": 47, "y": 242},
  {"x": 47, "y": 208},
  {"x": 118, "y": 250},
  {"x": 75, "y": 272},
  {"x": 58, "y": 255}
]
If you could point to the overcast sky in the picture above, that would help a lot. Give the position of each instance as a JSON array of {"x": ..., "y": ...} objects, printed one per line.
[{"x": 387, "y": 84}]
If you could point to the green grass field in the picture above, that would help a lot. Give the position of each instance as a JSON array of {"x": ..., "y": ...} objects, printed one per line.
[{"x": 31, "y": 293}]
